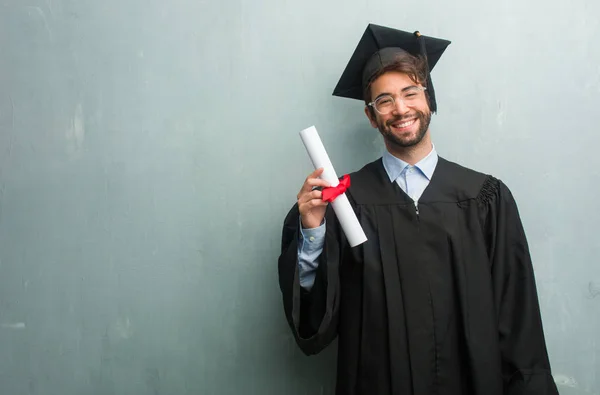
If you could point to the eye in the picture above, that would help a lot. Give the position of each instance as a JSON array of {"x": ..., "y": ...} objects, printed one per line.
[{"x": 384, "y": 101}]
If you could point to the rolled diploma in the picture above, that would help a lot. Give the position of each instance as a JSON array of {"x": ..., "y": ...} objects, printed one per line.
[{"x": 341, "y": 206}]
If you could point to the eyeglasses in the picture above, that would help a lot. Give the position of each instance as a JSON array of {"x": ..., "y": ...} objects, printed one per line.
[{"x": 410, "y": 96}]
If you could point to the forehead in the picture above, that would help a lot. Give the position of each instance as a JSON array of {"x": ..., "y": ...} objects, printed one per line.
[{"x": 392, "y": 81}]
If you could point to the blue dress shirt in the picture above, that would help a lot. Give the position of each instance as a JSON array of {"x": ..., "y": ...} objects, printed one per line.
[{"x": 412, "y": 179}]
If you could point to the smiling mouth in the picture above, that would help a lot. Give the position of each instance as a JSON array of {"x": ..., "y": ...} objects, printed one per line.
[{"x": 404, "y": 124}]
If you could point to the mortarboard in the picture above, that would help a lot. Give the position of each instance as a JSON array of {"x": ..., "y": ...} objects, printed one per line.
[{"x": 377, "y": 48}]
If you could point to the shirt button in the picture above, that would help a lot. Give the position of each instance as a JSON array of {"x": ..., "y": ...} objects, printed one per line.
[
  {"x": 410, "y": 170},
  {"x": 311, "y": 238}
]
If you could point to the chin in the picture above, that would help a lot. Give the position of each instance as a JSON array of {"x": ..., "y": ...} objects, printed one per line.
[{"x": 403, "y": 141}]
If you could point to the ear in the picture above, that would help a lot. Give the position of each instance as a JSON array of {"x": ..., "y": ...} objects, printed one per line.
[{"x": 371, "y": 116}]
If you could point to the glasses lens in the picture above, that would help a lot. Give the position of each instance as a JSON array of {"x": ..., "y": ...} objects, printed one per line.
[
  {"x": 384, "y": 104},
  {"x": 411, "y": 95}
]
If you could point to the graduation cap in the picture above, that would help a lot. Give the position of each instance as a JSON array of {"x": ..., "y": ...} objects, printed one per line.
[{"x": 378, "y": 48}]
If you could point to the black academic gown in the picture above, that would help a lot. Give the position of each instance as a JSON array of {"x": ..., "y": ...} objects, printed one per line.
[{"x": 438, "y": 301}]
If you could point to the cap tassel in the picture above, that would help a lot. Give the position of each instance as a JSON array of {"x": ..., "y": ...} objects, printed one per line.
[{"x": 430, "y": 91}]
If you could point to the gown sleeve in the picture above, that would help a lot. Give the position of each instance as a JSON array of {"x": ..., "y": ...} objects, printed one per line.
[
  {"x": 525, "y": 363},
  {"x": 312, "y": 315}
]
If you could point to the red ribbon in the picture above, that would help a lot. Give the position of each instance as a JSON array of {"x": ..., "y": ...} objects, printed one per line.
[{"x": 330, "y": 193}]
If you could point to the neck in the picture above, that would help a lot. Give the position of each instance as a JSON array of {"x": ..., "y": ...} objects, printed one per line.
[{"x": 412, "y": 154}]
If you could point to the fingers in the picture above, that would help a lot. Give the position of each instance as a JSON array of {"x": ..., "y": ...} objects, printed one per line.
[
  {"x": 308, "y": 196},
  {"x": 308, "y": 207},
  {"x": 309, "y": 201},
  {"x": 313, "y": 181},
  {"x": 316, "y": 173},
  {"x": 311, "y": 204}
]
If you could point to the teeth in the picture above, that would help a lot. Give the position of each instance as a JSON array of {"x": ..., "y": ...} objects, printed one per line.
[{"x": 404, "y": 124}]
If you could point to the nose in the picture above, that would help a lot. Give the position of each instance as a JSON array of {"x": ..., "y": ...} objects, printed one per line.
[{"x": 399, "y": 106}]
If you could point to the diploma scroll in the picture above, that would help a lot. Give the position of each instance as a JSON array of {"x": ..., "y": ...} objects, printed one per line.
[{"x": 341, "y": 206}]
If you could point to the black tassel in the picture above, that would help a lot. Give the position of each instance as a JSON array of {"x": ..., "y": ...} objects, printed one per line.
[{"x": 430, "y": 91}]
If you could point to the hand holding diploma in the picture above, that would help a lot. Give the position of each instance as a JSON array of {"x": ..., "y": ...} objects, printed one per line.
[
  {"x": 310, "y": 201},
  {"x": 313, "y": 206}
]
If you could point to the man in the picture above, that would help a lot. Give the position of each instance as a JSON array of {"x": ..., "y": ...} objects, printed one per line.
[{"x": 441, "y": 298}]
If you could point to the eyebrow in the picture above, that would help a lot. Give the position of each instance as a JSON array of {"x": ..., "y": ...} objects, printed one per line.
[{"x": 390, "y": 94}]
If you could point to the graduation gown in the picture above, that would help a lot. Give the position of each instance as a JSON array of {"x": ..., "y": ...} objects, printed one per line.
[{"x": 439, "y": 300}]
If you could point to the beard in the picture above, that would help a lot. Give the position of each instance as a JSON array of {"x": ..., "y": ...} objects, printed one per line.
[{"x": 404, "y": 142}]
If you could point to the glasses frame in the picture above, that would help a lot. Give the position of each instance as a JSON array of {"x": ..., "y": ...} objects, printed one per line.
[{"x": 372, "y": 104}]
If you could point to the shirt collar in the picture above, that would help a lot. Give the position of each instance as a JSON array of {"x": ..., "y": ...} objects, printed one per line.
[{"x": 395, "y": 166}]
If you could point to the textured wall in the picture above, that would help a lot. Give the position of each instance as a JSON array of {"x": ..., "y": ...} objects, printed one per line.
[{"x": 149, "y": 151}]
